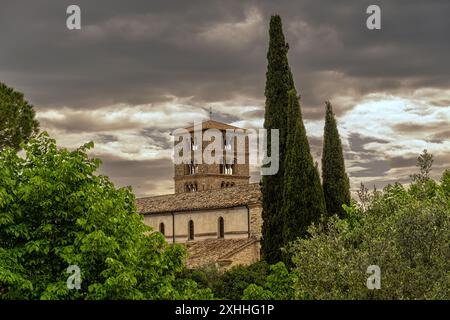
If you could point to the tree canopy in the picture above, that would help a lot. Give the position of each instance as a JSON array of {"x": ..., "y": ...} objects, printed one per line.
[
  {"x": 403, "y": 230},
  {"x": 55, "y": 212},
  {"x": 17, "y": 118}
]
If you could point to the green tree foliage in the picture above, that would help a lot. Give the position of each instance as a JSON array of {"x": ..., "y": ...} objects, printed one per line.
[
  {"x": 303, "y": 199},
  {"x": 405, "y": 231},
  {"x": 445, "y": 182},
  {"x": 233, "y": 282},
  {"x": 336, "y": 186},
  {"x": 279, "y": 285},
  {"x": 17, "y": 122},
  {"x": 230, "y": 284},
  {"x": 55, "y": 212},
  {"x": 279, "y": 81},
  {"x": 424, "y": 163}
]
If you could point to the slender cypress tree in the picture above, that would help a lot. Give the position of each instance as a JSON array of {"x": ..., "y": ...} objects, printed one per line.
[
  {"x": 279, "y": 81},
  {"x": 336, "y": 184},
  {"x": 303, "y": 199}
]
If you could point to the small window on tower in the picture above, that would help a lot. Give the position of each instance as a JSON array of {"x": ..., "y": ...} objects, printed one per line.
[
  {"x": 221, "y": 230},
  {"x": 191, "y": 230},
  {"x": 162, "y": 229}
]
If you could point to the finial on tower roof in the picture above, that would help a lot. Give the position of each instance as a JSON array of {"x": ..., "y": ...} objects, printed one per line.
[{"x": 210, "y": 113}]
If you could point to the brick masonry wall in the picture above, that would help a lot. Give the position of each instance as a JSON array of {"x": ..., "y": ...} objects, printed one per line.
[
  {"x": 248, "y": 255},
  {"x": 256, "y": 221}
]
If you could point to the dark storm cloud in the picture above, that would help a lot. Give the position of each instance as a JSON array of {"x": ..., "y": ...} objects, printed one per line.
[
  {"x": 441, "y": 136},
  {"x": 403, "y": 161},
  {"x": 139, "y": 51},
  {"x": 415, "y": 127},
  {"x": 357, "y": 143},
  {"x": 254, "y": 114},
  {"x": 222, "y": 117},
  {"x": 159, "y": 138},
  {"x": 143, "y": 175},
  {"x": 375, "y": 168},
  {"x": 105, "y": 138},
  {"x": 213, "y": 53},
  {"x": 83, "y": 122}
]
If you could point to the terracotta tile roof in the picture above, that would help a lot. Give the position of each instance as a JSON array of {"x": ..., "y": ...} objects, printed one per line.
[
  {"x": 210, "y": 199},
  {"x": 211, "y": 124},
  {"x": 210, "y": 251}
]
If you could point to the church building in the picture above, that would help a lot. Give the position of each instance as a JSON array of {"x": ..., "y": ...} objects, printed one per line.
[{"x": 214, "y": 211}]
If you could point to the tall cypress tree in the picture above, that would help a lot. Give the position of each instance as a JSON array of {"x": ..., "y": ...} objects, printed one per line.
[
  {"x": 303, "y": 199},
  {"x": 336, "y": 184},
  {"x": 279, "y": 81}
]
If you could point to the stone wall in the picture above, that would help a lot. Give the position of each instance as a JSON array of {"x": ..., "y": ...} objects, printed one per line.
[
  {"x": 256, "y": 221},
  {"x": 246, "y": 256},
  {"x": 206, "y": 224}
]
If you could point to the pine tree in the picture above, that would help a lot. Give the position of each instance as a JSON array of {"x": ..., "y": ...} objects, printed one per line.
[
  {"x": 279, "y": 81},
  {"x": 303, "y": 199},
  {"x": 336, "y": 185}
]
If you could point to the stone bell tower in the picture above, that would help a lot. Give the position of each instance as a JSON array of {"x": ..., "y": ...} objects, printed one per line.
[{"x": 194, "y": 177}]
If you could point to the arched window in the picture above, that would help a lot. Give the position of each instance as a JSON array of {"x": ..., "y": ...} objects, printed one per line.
[
  {"x": 162, "y": 228},
  {"x": 221, "y": 228},
  {"x": 191, "y": 230},
  {"x": 223, "y": 184}
]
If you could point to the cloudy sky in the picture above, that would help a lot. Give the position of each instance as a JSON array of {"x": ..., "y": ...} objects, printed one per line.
[{"x": 138, "y": 69}]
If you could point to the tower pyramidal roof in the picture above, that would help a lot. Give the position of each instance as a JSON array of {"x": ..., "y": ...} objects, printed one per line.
[{"x": 213, "y": 124}]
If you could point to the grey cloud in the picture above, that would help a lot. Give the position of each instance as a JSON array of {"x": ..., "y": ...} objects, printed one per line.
[
  {"x": 403, "y": 161},
  {"x": 254, "y": 114},
  {"x": 84, "y": 122},
  {"x": 138, "y": 52},
  {"x": 105, "y": 138},
  {"x": 144, "y": 176},
  {"x": 357, "y": 142},
  {"x": 410, "y": 127},
  {"x": 441, "y": 136},
  {"x": 374, "y": 168},
  {"x": 146, "y": 52},
  {"x": 159, "y": 138}
]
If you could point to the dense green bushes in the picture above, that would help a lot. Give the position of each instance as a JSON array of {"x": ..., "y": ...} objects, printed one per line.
[
  {"x": 403, "y": 230},
  {"x": 230, "y": 284}
]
